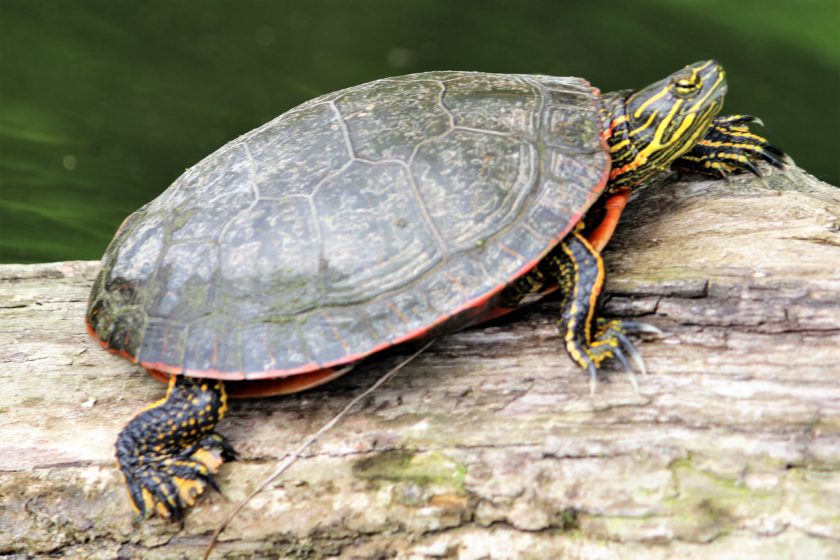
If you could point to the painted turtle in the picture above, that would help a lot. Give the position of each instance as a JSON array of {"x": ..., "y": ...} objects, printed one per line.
[{"x": 395, "y": 210}]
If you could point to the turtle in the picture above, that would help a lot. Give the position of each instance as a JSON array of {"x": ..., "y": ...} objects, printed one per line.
[{"x": 388, "y": 212}]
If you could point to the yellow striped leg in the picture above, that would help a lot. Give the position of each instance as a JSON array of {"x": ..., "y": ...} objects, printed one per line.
[
  {"x": 727, "y": 147},
  {"x": 580, "y": 272}
]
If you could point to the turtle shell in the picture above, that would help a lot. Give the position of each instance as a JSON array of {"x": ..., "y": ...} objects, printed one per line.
[{"x": 358, "y": 220}]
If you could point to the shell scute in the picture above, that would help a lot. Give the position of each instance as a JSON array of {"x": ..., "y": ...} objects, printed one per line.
[
  {"x": 405, "y": 311},
  {"x": 297, "y": 151},
  {"x": 498, "y": 103},
  {"x": 470, "y": 182},
  {"x": 371, "y": 239},
  {"x": 251, "y": 275},
  {"x": 386, "y": 121}
]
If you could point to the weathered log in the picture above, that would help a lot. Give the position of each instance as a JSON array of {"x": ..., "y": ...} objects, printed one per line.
[{"x": 488, "y": 445}]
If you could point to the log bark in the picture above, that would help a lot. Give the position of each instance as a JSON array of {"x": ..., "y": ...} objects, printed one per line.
[{"x": 488, "y": 445}]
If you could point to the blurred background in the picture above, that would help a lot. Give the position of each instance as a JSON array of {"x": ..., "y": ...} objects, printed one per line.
[{"x": 104, "y": 103}]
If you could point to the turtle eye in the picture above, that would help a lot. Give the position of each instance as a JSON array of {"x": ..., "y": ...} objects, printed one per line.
[{"x": 687, "y": 86}]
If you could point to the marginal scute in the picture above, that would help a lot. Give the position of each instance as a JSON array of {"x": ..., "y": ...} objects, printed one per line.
[
  {"x": 273, "y": 346},
  {"x": 334, "y": 335},
  {"x": 503, "y": 261},
  {"x": 574, "y": 130},
  {"x": 404, "y": 311},
  {"x": 449, "y": 290},
  {"x": 213, "y": 343},
  {"x": 577, "y": 172},
  {"x": 129, "y": 321},
  {"x": 565, "y": 85},
  {"x": 164, "y": 342},
  {"x": 524, "y": 241},
  {"x": 551, "y": 212}
]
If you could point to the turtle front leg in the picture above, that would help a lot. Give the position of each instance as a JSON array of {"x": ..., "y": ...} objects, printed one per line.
[
  {"x": 579, "y": 271},
  {"x": 575, "y": 268},
  {"x": 169, "y": 451},
  {"x": 728, "y": 146}
]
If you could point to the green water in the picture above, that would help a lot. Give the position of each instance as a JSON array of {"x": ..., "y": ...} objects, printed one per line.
[{"x": 104, "y": 103}]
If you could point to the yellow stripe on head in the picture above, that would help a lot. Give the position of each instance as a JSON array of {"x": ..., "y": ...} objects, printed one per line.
[{"x": 663, "y": 121}]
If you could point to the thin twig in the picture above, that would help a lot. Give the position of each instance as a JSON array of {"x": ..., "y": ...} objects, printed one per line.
[{"x": 290, "y": 459}]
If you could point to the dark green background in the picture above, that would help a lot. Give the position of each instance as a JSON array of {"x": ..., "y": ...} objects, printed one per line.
[{"x": 104, "y": 103}]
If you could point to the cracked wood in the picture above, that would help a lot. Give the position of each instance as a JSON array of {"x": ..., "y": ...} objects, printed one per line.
[{"x": 488, "y": 445}]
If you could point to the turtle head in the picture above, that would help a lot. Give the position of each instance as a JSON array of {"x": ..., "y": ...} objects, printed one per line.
[{"x": 654, "y": 126}]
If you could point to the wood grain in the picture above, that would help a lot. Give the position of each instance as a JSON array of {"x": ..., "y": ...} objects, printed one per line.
[{"x": 489, "y": 445}]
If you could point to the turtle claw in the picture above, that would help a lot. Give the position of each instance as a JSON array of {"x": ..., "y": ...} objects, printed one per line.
[
  {"x": 612, "y": 342},
  {"x": 634, "y": 354},
  {"x": 773, "y": 156},
  {"x": 636, "y": 327},
  {"x": 630, "y": 373},
  {"x": 750, "y": 166},
  {"x": 738, "y": 122},
  {"x": 593, "y": 379}
]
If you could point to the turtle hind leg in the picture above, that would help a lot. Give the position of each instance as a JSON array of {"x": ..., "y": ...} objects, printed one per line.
[
  {"x": 728, "y": 146},
  {"x": 580, "y": 273},
  {"x": 169, "y": 451}
]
